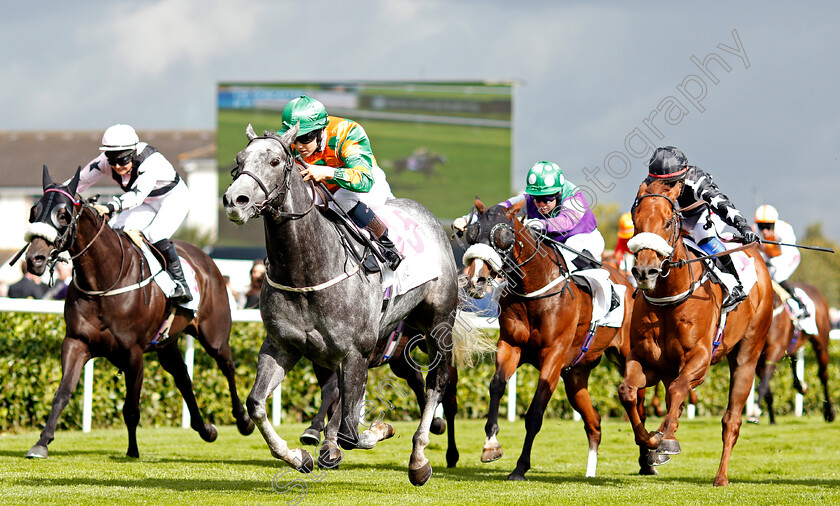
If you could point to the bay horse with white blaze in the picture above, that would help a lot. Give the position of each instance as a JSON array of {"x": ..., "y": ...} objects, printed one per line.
[
  {"x": 112, "y": 309},
  {"x": 318, "y": 303},
  {"x": 545, "y": 321},
  {"x": 784, "y": 339},
  {"x": 673, "y": 334}
]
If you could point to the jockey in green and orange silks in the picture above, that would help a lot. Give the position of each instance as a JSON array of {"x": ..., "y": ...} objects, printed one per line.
[{"x": 337, "y": 152}]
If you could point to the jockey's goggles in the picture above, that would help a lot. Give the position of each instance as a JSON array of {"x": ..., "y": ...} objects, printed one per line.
[
  {"x": 119, "y": 157},
  {"x": 307, "y": 137},
  {"x": 544, "y": 199},
  {"x": 765, "y": 226}
]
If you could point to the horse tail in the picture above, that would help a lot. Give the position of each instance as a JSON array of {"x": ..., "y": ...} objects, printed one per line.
[{"x": 469, "y": 343}]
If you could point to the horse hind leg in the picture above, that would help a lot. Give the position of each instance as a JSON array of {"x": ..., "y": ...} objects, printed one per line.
[
  {"x": 328, "y": 380},
  {"x": 171, "y": 361},
  {"x": 224, "y": 359},
  {"x": 578, "y": 394},
  {"x": 74, "y": 354},
  {"x": 450, "y": 409},
  {"x": 133, "y": 371}
]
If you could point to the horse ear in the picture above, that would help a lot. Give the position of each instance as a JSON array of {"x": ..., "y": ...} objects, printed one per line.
[
  {"x": 479, "y": 205},
  {"x": 250, "y": 132},
  {"x": 513, "y": 210},
  {"x": 642, "y": 190},
  {"x": 74, "y": 183},
  {"x": 289, "y": 136},
  {"x": 47, "y": 180}
]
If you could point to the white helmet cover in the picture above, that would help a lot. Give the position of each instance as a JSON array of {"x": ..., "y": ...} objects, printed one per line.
[{"x": 119, "y": 138}]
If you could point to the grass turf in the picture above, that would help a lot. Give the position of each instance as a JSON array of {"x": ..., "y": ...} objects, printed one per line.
[{"x": 793, "y": 462}]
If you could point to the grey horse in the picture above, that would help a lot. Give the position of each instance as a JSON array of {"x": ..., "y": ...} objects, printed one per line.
[{"x": 318, "y": 304}]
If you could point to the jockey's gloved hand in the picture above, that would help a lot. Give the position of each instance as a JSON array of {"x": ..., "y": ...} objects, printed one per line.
[
  {"x": 102, "y": 210},
  {"x": 748, "y": 236},
  {"x": 460, "y": 224},
  {"x": 534, "y": 223}
]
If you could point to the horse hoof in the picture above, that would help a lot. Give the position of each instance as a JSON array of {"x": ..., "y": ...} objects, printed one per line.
[
  {"x": 132, "y": 454},
  {"x": 648, "y": 471},
  {"x": 491, "y": 454},
  {"x": 828, "y": 412},
  {"x": 419, "y": 477},
  {"x": 452, "y": 457},
  {"x": 753, "y": 419},
  {"x": 310, "y": 437},
  {"x": 245, "y": 425},
  {"x": 657, "y": 459},
  {"x": 211, "y": 433},
  {"x": 668, "y": 447},
  {"x": 308, "y": 464},
  {"x": 438, "y": 426},
  {"x": 514, "y": 476},
  {"x": 37, "y": 452},
  {"x": 326, "y": 460}
]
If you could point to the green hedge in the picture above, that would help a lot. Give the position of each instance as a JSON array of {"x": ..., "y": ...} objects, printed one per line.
[{"x": 30, "y": 371}]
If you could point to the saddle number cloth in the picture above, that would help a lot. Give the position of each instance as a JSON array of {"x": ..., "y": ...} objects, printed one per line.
[
  {"x": 602, "y": 297},
  {"x": 420, "y": 263},
  {"x": 164, "y": 280}
]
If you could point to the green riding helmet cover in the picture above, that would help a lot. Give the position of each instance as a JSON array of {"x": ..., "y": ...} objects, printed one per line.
[
  {"x": 544, "y": 178},
  {"x": 310, "y": 113}
]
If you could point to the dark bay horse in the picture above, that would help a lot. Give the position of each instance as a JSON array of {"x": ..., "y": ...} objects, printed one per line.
[
  {"x": 317, "y": 302},
  {"x": 673, "y": 329},
  {"x": 403, "y": 367},
  {"x": 113, "y": 311},
  {"x": 784, "y": 340},
  {"x": 544, "y": 321}
]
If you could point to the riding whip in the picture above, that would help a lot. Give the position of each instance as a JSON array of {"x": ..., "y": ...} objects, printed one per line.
[{"x": 801, "y": 246}]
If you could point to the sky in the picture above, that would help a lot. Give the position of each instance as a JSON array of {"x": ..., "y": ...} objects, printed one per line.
[{"x": 598, "y": 83}]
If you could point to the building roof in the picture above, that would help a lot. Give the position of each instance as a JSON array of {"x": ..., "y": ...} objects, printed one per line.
[{"x": 24, "y": 153}]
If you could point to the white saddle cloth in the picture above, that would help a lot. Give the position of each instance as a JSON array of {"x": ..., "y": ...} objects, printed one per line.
[
  {"x": 421, "y": 262},
  {"x": 165, "y": 282},
  {"x": 602, "y": 298}
]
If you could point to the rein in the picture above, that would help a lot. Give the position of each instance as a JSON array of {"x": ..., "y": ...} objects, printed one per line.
[{"x": 541, "y": 293}]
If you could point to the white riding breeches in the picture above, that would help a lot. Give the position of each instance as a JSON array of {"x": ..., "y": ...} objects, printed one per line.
[
  {"x": 376, "y": 197},
  {"x": 157, "y": 218},
  {"x": 591, "y": 241}
]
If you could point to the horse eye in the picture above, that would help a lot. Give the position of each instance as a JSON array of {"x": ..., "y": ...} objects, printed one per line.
[
  {"x": 274, "y": 162},
  {"x": 63, "y": 218},
  {"x": 503, "y": 238}
]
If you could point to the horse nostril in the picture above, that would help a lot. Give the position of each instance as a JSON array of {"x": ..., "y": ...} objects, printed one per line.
[
  {"x": 242, "y": 200},
  {"x": 39, "y": 259},
  {"x": 635, "y": 272},
  {"x": 224, "y": 200}
]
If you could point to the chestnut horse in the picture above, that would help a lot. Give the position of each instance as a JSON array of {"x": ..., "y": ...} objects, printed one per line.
[
  {"x": 783, "y": 339},
  {"x": 544, "y": 321},
  {"x": 673, "y": 330},
  {"x": 112, "y": 310}
]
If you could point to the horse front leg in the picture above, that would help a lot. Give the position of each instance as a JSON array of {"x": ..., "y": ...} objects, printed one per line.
[
  {"x": 549, "y": 376},
  {"x": 271, "y": 369},
  {"x": 635, "y": 380},
  {"x": 74, "y": 354},
  {"x": 507, "y": 360},
  {"x": 223, "y": 356},
  {"x": 171, "y": 361},
  {"x": 450, "y": 409},
  {"x": 352, "y": 381}
]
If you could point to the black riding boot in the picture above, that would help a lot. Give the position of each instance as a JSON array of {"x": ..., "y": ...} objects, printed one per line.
[
  {"x": 737, "y": 294},
  {"x": 173, "y": 267},
  {"x": 364, "y": 217},
  {"x": 389, "y": 251},
  {"x": 804, "y": 313}
]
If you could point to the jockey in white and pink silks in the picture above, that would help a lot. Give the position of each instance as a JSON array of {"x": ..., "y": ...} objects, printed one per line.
[
  {"x": 781, "y": 260},
  {"x": 558, "y": 208}
]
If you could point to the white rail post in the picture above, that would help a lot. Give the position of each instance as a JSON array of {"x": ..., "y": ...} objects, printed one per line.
[
  {"x": 276, "y": 401},
  {"x": 800, "y": 373},
  {"x": 511, "y": 407},
  {"x": 189, "y": 359},
  {"x": 87, "y": 398}
]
